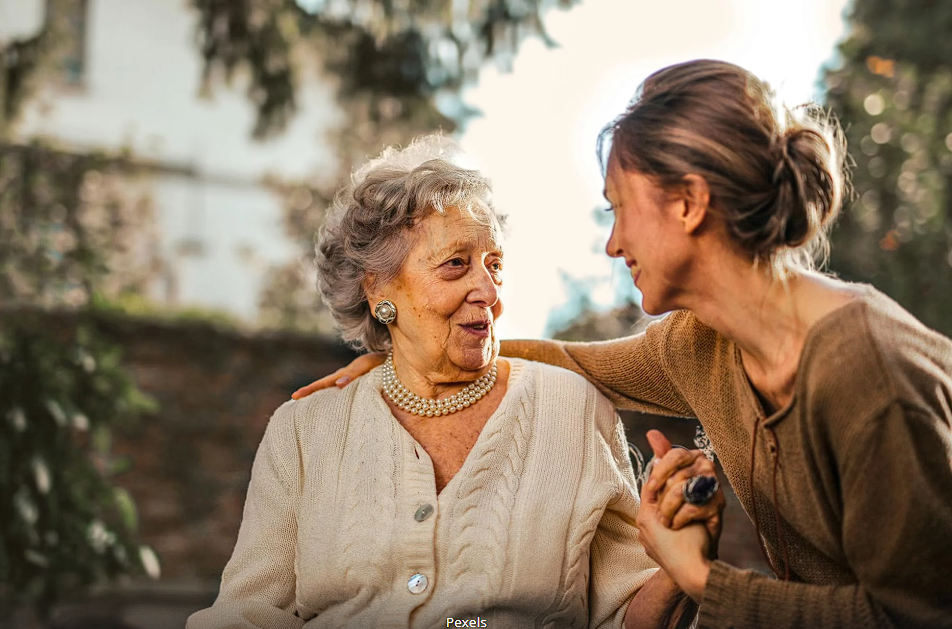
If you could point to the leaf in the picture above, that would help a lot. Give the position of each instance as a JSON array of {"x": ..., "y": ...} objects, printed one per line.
[{"x": 127, "y": 509}]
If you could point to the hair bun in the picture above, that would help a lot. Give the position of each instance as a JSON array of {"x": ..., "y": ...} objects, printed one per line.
[{"x": 806, "y": 179}]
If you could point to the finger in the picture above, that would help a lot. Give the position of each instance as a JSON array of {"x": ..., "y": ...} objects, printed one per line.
[
  {"x": 343, "y": 376},
  {"x": 689, "y": 513},
  {"x": 671, "y": 499},
  {"x": 317, "y": 385},
  {"x": 699, "y": 466},
  {"x": 358, "y": 367},
  {"x": 670, "y": 463},
  {"x": 686, "y": 513},
  {"x": 658, "y": 442}
]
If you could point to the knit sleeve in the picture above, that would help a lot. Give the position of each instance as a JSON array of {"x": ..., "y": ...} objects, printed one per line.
[
  {"x": 258, "y": 584},
  {"x": 630, "y": 371},
  {"x": 897, "y": 526},
  {"x": 619, "y": 563}
]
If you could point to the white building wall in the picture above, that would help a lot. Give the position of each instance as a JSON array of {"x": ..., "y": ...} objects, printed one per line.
[{"x": 141, "y": 91}]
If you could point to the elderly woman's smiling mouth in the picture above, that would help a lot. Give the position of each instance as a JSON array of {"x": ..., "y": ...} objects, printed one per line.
[{"x": 478, "y": 328}]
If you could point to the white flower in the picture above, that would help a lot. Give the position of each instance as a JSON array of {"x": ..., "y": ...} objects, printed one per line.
[
  {"x": 98, "y": 535},
  {"x": 18, "y": 418},
  {"x": 80, "y": 422},
  {"x": 57, "y": 413},
  {"x": 41, "y": 475},
  {"x": 150, "y": 561},
  {"x": 87, "y": 362},
  {"x": 25, "y": 507},
  {"x": 37, "y": 558}
]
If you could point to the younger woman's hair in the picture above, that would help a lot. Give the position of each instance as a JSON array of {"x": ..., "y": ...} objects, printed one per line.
[{"x": 776, "y": 176}]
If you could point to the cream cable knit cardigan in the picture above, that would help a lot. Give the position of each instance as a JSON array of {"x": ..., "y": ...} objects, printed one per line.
[{"x": 536, "y": 530}]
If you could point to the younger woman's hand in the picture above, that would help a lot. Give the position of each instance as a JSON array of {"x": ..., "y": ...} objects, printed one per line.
[
  {"x": 683, "y": 554},
  {"x": 671, "y": 470},
  {"x": 343, "y": 376}
]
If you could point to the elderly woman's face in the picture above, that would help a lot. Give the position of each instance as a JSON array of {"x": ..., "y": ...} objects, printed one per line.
[{"x": 447, "y": 294}]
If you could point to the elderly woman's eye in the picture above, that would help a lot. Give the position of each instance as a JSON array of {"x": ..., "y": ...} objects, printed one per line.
[{"x": 457, "y": 262}]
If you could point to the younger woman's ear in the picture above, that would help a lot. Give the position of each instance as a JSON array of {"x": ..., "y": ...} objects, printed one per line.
[{"x": 697, "y": 199}]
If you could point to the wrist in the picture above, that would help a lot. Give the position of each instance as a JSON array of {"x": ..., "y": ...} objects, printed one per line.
[{"x": 695, "y": 580}]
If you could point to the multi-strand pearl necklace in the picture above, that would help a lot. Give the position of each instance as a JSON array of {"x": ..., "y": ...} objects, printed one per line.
[{"x": 412, "y": 403}]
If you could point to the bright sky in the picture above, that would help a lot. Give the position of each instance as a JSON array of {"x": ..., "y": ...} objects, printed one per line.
[{"x": 536, "y": 139}]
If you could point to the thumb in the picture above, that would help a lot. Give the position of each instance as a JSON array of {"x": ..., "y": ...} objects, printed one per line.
[{"x": 658, "y": 442}]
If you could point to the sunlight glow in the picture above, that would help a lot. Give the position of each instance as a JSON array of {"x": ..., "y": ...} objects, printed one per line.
[{"x": 536, "y": 137}]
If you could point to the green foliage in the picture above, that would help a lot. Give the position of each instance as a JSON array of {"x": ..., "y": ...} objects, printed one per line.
[
  {"x": 395, "y": 54},
  {"x": 893, "y": 93},
  {"x": 908, "y": 31},
  {"x": 72, "y": 226},
  {"x": 25, "y": 62},
  {"x": 75, "y": 233},
  {"x": 66, "y": 526}
]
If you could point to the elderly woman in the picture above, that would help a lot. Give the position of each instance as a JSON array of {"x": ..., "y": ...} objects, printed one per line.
[{"x": 429, "y": 494}]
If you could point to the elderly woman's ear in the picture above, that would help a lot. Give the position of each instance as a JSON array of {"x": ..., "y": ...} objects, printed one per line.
[{"x": 372, "y": 290}]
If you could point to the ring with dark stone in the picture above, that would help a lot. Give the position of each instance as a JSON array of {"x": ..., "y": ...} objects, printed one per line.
[{"x": 699, "y": 490}]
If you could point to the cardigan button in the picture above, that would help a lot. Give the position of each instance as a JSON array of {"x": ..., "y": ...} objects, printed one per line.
[
  {"x": 417, "y": 583},
  {"x": 423, "y": 512}
]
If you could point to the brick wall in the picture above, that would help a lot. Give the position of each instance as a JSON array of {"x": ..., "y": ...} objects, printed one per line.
[{"x": 191, "y": 461}]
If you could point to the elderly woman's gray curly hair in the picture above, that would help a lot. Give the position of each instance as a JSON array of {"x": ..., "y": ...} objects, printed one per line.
[{"x": 368, "y": 230}]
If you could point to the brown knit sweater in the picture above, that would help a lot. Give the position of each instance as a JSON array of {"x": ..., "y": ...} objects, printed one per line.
[{"x": 850, "y": 484}]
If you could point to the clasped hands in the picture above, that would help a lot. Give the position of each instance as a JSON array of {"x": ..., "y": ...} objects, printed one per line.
[{"x": 681, "y": 537}]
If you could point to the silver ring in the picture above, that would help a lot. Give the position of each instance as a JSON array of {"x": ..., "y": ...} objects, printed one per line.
[{"x": 699, "y": 490}]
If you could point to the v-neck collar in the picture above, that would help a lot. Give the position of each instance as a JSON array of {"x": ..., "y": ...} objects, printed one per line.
[{"x": 753, "y": 399}]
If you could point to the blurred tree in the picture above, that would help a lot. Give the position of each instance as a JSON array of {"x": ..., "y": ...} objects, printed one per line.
[
  {"x": 28, "y": 59},
  {"x": 74, "y": 228},
  {"x": 74, "y": 232},
  {"x": 893, "y": 92},
  {"x": 394, "y": 56},
  {"x": 65, "y": 525}
]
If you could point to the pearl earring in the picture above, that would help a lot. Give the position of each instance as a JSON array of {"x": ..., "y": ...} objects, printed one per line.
[{"x": 385, "y": 312}]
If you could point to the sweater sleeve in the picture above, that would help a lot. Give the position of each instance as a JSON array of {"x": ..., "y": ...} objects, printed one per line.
[
  {"x": 896, "y": 531},
  {"x": 629, "y": 371},
  {"x": 619, "y": 563},
  {"x": 258, "y": 584}
]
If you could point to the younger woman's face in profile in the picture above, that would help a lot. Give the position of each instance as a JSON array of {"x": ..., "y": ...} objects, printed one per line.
[{"x": 647, "y": 235}]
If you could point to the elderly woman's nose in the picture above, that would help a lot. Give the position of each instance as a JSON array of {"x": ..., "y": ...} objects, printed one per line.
[{"x": 484, "y": 288}]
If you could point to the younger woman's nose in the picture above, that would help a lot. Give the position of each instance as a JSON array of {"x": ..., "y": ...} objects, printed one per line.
[{"x": 612, "y": 248}]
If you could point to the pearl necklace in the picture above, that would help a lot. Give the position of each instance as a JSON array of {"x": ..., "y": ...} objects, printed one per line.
[{"x": 412, "y": 403}]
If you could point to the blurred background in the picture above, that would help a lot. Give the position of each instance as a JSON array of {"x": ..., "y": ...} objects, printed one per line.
[{"x": 165, "y": 163}]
